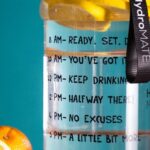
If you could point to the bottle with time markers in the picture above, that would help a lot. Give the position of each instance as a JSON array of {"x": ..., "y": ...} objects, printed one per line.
[{"x": 88, "y": 103}]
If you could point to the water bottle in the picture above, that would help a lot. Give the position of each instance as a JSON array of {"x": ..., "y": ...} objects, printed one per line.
[{"x": 88, "y": 102}]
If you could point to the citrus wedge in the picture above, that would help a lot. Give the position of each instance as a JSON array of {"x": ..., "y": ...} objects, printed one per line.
[
  {"x": 112, "y": 4},
  {"x": 87, "y": 14},
  {"x": 78, "y": 17},
  {"x": 13, "y": 139}
]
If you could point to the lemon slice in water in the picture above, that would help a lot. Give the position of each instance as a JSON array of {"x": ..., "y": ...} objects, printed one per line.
[
  {"x": 88, "y": 14},
  {"x": 118, "y": 4},
  {"x": 80, "y": 17}
]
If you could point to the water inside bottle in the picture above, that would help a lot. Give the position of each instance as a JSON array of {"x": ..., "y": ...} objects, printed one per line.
[{"x": 88, "y": 103}]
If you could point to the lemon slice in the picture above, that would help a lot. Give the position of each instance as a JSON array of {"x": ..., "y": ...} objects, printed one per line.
[
  {"x": 87, "y": 14},
  {"x": 98, "y": 12},
  {"x": 119, "y": 10},
  {"x": 4, "y": 146},
  {"x": 79, "y": 17},
  {"x": 69, "y": 12},
  {"x": 112, "y": 4}
]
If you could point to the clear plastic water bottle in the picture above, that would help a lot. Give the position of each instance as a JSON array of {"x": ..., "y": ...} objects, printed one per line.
[{"x": 88, "y": 103}]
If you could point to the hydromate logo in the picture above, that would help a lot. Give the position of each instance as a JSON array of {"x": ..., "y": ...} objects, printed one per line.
[{"x": 144, "y": 39}]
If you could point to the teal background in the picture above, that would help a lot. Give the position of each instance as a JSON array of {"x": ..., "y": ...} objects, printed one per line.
[{"x": 21, "y": 51}]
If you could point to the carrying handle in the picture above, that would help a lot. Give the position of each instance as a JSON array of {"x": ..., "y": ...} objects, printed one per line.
[{"x": 138, "y": 50}]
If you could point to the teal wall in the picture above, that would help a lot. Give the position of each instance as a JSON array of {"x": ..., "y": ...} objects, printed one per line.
[{"x": 21, "y": 50}]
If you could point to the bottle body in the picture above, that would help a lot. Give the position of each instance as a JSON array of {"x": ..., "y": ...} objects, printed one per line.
[{"x": 87, "y": 101}]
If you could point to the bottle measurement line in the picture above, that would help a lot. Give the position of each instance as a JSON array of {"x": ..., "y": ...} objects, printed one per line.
[
  {"x": 121, "y": 132},
  {"x": 53, "y": 52}
]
